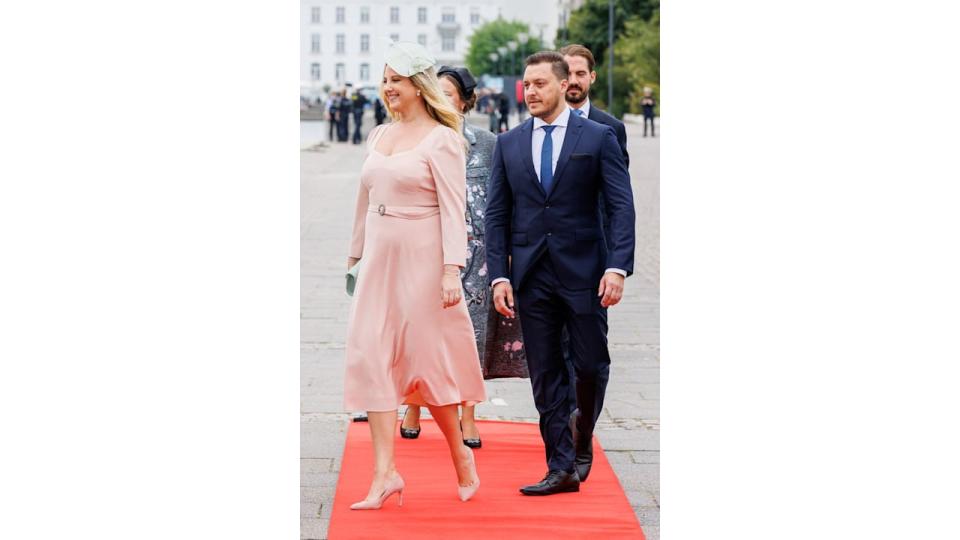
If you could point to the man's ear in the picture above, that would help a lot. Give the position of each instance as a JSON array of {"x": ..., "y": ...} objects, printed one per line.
[
  {"x": 563, "y": 84},
  {"x": 593, "y": 77}
]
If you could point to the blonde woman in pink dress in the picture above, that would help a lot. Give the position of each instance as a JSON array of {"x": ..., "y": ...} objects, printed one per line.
[{"x": 410, "y": 339}]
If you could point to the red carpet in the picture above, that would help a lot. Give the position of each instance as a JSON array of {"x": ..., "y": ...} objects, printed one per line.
[{"x": 512, "y": 455}]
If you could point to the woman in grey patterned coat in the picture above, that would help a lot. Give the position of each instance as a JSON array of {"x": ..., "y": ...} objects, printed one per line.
[{"x": 499, "y": 341}]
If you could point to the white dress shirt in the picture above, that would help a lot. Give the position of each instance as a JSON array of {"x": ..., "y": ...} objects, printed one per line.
[
  {"x": 556, "y": 137},
  {"x": 539, "y": 134}
]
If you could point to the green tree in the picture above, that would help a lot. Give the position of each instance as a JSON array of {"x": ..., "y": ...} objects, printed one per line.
[
  {"x": 636, "y": 49},
  {"x": 641, "y": 60},
  {"x": 497, "y": 33},
  {"x": 588, "y": 24}
]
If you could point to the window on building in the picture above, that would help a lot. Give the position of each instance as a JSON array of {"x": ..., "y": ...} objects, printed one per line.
[
  {"x": 315, "y": 71},
  {"x": 394, "y": 15},
  {"x": 449, "y": 14},
  {"x": 422, "y": 15},
  {"x": 364, "y": 43},
  {"x": 315, "y": 43},
  {"x": 364, "y": 72},
  {"x": 474, "y": 16},
  {"x": 449, "y": 44},
  {"x": 395, "y": 37},
  {"x": 315, "y": 15},
  {"x": 364, "y": 15},
  {"x": 422, "y": 39},
  {"x": 341, "y": 72},
  {"x": 341, "y": 14},
  {"x": 341, "y": 44}
]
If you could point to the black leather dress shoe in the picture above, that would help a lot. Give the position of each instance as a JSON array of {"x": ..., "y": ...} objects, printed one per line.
[
  {"x": 583, "y": 447},
  {"x": 554, "y": 482}
]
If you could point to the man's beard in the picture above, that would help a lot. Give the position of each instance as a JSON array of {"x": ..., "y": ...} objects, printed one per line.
[{"x": 579, "y": 99}]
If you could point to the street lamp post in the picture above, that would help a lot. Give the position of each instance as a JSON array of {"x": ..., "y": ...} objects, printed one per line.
[
  {"x": 512, "y": 45},
  {"x": 493, "y": 58},
  {"x": 503, "y": 57}
]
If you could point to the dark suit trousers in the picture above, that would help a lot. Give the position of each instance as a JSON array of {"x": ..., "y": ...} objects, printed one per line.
[
  {"x": 545, "y": 307},
  {"x": 645, "y": 120}
]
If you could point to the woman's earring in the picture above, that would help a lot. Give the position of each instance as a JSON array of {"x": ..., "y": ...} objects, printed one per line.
[{"x": 418, "y": 93}]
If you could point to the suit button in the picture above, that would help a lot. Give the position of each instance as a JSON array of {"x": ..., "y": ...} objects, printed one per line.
[
  {"x": 548, "y": 234},
  {"x": 547, "y": 206}
]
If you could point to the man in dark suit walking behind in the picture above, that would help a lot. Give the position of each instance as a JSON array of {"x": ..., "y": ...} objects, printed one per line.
[
  {"x": 544, "y": 241},
  {"x": 582, "y": 77}
]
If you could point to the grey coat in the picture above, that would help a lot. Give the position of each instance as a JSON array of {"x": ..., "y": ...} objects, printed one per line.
[{"x": 499, "y": 340}]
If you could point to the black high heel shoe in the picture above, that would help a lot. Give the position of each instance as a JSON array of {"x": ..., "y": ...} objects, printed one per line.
[
  {"x": 472, "y": 443},
  {"x": 409, "y": 433}
]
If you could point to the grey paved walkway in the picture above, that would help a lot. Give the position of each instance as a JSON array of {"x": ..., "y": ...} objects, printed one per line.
[{"x": 629, "y": 427}]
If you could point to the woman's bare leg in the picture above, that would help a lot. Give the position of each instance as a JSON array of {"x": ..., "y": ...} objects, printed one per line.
[
  {"x": 447, "y": 419},
  {"x": 382, "y": 425},
  {"x": 469, "y": 423}
]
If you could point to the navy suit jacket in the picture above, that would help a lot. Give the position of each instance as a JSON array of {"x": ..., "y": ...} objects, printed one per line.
[
  {"x": 523, "y": 221},
  {"x": 602, "y": 117}
]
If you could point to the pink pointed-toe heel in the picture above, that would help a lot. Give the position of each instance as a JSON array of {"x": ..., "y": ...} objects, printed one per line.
[
  {"x": 394, "y": 485},
  {"x": 466, "y": 492}
]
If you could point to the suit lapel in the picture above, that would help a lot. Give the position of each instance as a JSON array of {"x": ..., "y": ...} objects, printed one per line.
[
  {"x": 593, "y": 114},
  {"x": 526, "y": 153},
  {"x": 574, "y": 128}
]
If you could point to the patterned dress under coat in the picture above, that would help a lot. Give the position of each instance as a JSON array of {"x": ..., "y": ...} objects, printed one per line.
[{"x": 499, "y": 340}]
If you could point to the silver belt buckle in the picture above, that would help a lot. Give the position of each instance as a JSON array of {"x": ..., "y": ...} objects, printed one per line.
[{"x": 381, "y": 209}]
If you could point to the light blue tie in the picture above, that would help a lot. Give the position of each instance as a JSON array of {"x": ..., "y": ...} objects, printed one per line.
[
  {"x": 578, "y": 112},
  {"x": 546, "y": 160}
]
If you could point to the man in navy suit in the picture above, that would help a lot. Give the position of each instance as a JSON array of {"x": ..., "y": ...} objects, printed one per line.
[
  {"x": 581, "y": 78},
  {"x": 545, "y": 241}
]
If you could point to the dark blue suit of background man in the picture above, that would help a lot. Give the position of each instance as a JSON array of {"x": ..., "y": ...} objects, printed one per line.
[{"x": 545, "y": 240}]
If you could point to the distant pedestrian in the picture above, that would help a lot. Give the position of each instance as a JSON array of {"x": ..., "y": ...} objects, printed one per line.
[
  {"x": 491, "y": 110},
  {"x": 343, "y": 119},
  {"x": 333, "y": 104},
  {"x": 504, "y": 124},
  {"x": 379, "y": 112},
  {"x": 359, "y": 102},
  {"x": 648, "y": 104}
]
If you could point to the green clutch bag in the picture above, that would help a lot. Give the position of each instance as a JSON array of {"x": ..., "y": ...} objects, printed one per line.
[{"x": 352, "y": 276}]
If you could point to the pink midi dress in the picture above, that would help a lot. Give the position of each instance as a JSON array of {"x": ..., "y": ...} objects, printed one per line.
[{"x": 402, "y": 345}]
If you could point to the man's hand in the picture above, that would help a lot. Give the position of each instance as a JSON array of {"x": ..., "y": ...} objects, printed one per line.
[
  {"x": 611, "y": 289},
  {"x": 503, "y": 299}
]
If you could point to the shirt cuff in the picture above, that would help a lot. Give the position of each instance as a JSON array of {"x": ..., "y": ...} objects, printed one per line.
[
  {"x": 616, "y": 271},
  {"x": 498, "y": 280}
]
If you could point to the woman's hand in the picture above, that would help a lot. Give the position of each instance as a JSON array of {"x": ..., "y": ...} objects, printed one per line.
[
  {"x": 450, "y": 286},
  {"x": 351, "y": 262}
]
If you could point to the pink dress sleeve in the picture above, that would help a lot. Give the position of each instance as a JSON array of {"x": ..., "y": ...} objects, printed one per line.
[
  {"x": 363, "y": 202},
  {"x": 448, "y": 164}
]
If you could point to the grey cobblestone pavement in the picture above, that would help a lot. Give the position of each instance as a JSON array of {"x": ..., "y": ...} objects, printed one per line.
[{"x": 629, "y": 427}]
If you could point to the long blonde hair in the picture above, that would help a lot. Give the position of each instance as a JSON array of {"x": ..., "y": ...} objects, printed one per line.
[{"x": 437, "y": 104}]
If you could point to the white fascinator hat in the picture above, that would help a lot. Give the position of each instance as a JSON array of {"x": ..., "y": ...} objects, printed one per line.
[{"x": 407, "y": 58}]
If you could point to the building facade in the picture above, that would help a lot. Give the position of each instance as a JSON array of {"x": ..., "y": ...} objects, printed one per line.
[{"x": 344, "y": 41}]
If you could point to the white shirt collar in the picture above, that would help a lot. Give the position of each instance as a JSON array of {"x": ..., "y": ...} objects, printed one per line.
[
  {"x": 558, "y": 121},
  {"x": 585, "y": 108}
]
